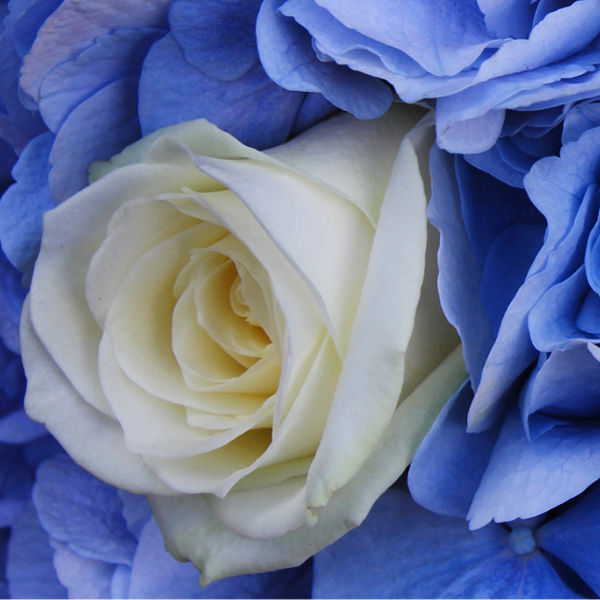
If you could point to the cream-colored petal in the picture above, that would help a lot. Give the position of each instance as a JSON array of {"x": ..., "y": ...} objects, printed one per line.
[
  {"x": 324, "y": 152},
  {"x": 92, "y": 439},
  {"x": 134, "y": 228},
  {"x": 215, "y": 471},
  {"x": 159, "y": 429},
  {"x": 325, "y": 238},
  {"x": 140, "y": 317},
  {"x": 192, "y": 533},
  {"x": 263, "y": 512},
  {"x": 373, "y": 372}
]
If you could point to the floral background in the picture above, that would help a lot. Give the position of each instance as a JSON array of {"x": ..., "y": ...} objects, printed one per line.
[{"x": 501, "y": 498}]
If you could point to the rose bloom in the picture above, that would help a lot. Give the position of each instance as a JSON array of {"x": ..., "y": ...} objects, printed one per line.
[{"x": 253, "y": 339}]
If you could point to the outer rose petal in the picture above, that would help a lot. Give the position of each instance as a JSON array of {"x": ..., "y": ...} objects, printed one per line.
[{"x": 192, "y": 533}]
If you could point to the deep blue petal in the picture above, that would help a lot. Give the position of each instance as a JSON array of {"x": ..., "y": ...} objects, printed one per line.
[
  {"x": 574, "y": 537},
  {"x": 448, "y": 466},
  {"x": 24, "y": 203}
]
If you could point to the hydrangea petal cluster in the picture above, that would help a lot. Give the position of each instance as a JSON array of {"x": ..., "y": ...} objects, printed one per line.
[
  {"x": 434, "y": 556},
  {"x": 525, "y": 260},
  {"x": 477, "y": 58}
]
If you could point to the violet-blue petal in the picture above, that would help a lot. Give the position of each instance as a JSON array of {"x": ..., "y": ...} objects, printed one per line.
[
  {"x": 119, "y": 585},
  {"x": 574, "y": 536},
  {"x": 566, "y": 384},
  {"x": 525, "y": 477},
  {"x": 560, "y": 190},
  {"x": 252, "y": 107},
  {"x": 460, "y": 271},
  {"x": 97, "y": 129},
  {"x": 580, "y": 119},
  {"x": 18, "y": 428},
  {"x": 288, "y": 57},
  {"x": 82, "y": 577},
  {"x": 24, "y": 203},
  {"x": 216, "y": 37},
  {"x": 12, "y": 295},
  {"x": 85, "y": 23},
  {"x": 29, "y": 567},
  {"x": 447, "y": 468},
  {"x": 136, "y": 511},
  {"x": 508, "y": 18},
  {"x": 554, "y": 320},
  {"x": 78, "y": 509},
  {"x": 17, "y": 123},
  {"x": 404, "y": 551},
  {"x": 24, "y": 21},
  {"x": 156, "y": 574},
  {"x": 295, "y": 582},
  {"x": 110, "y": 57}
]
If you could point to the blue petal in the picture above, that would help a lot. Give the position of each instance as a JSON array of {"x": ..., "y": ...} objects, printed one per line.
[
  {"x": 83, "y": 577},
  {"x": 156, "y": 574},
  {"x": 447, "y": 468},
  {"x": 574, "y": 537},
  {"x": 252, "y": 108},
  {"x": 460, "y": 271},
  {"x": 286, "y": 583},
  {"x": 18, "y": 428},
  {"x": 12, "y": 294},
  {"x": 216, "y": 37},
  {"x": 29, "y": 567},
  {"x": 560, "y": 188},
  {"x": 404, "y": 551},
  {"x": 526, "y": 478},
  {"x": 288, "y": 57},
  {"x": 24, "y": 21},
  {"x": 24, "y": 203},
  {"x": 508, "y": 18},
  {"x": 136, "y": 511},
  {"x": 97, "y": 129},
  {"x": 82, "y": 511},
  {"x": 580, "y": 119},
  {"x": 443, "y": 36}
]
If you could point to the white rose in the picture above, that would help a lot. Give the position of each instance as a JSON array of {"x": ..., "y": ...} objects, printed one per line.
[{"x": 243, "y": 335}]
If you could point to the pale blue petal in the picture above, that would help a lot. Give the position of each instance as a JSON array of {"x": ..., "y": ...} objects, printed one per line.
[
  {"x": 156, "y": 574},
  {"x": 443, "y": 36},
  {"x": 288, "y": 57},
  {"x": 83, "y": 577},
  {"x": 76, "y": 508},
  {"x": 526, "y": 478}
]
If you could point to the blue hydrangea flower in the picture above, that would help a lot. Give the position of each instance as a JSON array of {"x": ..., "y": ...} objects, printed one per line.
[
  {"x": 82, "y": 538},
  {"x": 478, "y": 58},
  {"x": 519, "y": 279},
  {"x": 405, "y": 551},
  {"x": 101, "y": 76}
]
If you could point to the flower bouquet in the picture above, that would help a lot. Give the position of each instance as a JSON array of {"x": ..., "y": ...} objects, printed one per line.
[{"x": 300, "y": 298}]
